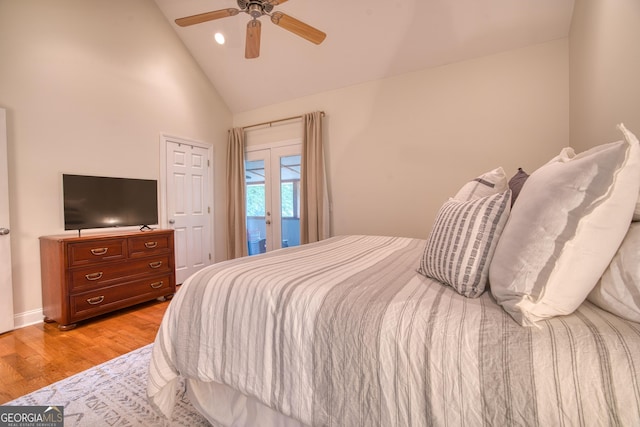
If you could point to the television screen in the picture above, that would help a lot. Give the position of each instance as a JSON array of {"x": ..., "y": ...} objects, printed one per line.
[{"x": 99, "y": 202}]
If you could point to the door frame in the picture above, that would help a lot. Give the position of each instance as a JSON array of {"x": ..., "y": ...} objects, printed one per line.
[{"x": 163, "y": 216}]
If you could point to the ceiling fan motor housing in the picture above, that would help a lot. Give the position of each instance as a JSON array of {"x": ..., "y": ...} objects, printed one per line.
[{"x": 255, "y": 8}]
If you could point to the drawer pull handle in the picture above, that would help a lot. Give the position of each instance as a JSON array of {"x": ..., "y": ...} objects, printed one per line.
[
  {"x": 94, "y": 276},
  {"x": 99, "y": 251},
  {"x": 155, "y": 264},
  {"x": 157, "y": 285},
  {"x": 150, "y": 245},
  {"x": 95, "y": 300}
]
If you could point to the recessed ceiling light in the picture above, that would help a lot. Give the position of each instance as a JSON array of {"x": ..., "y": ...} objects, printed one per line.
[{"x": 219, "y": 38}]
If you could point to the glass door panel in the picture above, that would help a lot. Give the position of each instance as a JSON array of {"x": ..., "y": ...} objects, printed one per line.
[
  {"x": 290, "y": 200},
  {"x": 256, "y": 207}
]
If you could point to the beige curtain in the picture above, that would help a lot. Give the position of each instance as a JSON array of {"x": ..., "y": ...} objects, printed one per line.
[
  {"x": 236, "y": 222},
  {"x": 314, "y": 206}
]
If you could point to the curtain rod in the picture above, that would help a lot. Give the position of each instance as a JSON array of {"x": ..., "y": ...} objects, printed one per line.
[{"x": 276, "y": 121}]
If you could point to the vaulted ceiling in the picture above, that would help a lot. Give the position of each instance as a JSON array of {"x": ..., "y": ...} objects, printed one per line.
[{"x": 366, "y": 40}]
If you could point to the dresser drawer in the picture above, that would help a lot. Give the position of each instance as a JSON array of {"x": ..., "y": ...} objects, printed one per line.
[
  {"x": 148, "y": 245},
  {"x": 100, "y": 301},
  {"x": 97, "y": 276},
  {"x": 83, "y": 253}
]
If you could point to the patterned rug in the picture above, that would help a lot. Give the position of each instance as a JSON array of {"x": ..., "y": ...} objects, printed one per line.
[{"x": 112, "y": 394}]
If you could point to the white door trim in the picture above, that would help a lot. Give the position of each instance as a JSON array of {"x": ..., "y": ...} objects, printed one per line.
[
  {"x": 7, "y": 321},
  {"x": 162, "y": 187}
]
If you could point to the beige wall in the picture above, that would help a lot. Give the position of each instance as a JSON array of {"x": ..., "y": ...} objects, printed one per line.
[
  {"x": 88, "y": 87},
  {"x": 91, "y": 84},
  {"x": 604, "y": 70},
  {"x": 398, "y": 148}
]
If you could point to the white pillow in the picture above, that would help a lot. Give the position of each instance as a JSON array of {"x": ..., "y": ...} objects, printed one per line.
[
  {"x": 618, "y": 291},
  {"x": 566, "y": 227},
  {"x": 636, "y": 212},
  {"x": 492, "y": 182},
  {"x": 632, "y": 137},
  {"x": 462, "y": 242}
]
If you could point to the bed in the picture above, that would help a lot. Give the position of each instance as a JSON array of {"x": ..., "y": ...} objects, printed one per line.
[{"x": 363, "y": 330}]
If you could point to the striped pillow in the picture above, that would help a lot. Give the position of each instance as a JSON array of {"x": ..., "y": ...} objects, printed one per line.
[{"x": 463, "y": 240}]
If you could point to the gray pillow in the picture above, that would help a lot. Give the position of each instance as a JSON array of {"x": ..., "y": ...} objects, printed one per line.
[{"x": 515, "y": 184}]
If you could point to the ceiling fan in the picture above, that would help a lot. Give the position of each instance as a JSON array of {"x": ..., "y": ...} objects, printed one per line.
[{"x": 256, "y": 9}]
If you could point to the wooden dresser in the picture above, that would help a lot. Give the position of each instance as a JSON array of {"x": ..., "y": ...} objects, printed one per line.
[{"x": 86, "y": 276}]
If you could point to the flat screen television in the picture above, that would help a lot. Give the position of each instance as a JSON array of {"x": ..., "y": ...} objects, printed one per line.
[{"x": 100, "y": 202}]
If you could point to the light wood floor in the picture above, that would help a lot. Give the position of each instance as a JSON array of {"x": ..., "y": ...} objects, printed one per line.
[{"x": 35, "y": 356}]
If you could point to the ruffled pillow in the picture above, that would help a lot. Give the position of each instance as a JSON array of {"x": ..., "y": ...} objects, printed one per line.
[{"x": 570, "y": 219}]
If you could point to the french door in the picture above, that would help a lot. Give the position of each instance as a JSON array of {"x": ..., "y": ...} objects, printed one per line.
[{"x": 272, "y": 179}]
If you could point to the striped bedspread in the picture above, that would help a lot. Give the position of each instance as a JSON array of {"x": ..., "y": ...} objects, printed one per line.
[{"x": 344, "y": 332}]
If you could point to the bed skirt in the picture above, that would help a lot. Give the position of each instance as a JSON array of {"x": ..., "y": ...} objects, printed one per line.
[{"x": 223, "y": 406}]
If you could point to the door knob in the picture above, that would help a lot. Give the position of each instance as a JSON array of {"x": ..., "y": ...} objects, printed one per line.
[
  {"x": 172, "y": 221},
  {"x": 4, "y": 231}
]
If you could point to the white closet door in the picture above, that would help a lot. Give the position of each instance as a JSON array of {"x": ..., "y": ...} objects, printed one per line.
[{"x": 189, "y": 206}]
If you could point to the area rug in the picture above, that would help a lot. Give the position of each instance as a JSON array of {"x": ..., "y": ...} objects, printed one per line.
[{"x": 112, "y": 394}]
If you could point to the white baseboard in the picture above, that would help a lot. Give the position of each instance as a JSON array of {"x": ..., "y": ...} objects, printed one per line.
[{"x": 20, "y": 320}]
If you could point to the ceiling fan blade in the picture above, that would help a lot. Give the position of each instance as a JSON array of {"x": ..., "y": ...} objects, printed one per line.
[
  {"x": 207, "y": 16},
  {"x": 298, "y": 27},
  {"x": 276, "y": 2},
  {"x": 252, "y": 44}
]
